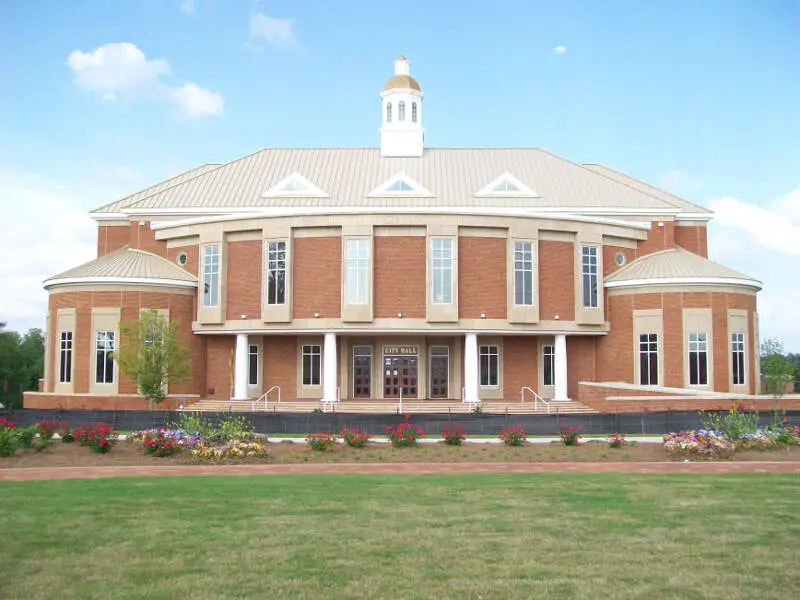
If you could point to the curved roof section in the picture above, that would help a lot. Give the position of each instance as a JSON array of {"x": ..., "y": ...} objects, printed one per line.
[
  {"x": 452, "y": 175},
  {"x": 402, "y": 82},
  {"x": 126, "y": 266},
  {"x": 677, "y": 266}
]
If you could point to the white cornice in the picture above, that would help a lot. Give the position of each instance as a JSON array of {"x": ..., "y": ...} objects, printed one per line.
[
  {"x": 694, "y": 216},
  {"x": 687, "y": 281},
  {"x": 53, "y": 282},
  {"x": 348, "y": 331}
]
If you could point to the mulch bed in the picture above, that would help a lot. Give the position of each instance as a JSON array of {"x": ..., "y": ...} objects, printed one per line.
[{"x": 287, "y": 453}]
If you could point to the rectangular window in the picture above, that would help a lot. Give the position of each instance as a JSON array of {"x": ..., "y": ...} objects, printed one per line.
[
  {"x": 104, "y": 360},
  {"x": 252, "y": 364},
  {"x": 210, "y": 276},
  {"x": 648, "y": 359},
  {"x": 549, "y": 365},
  {"x": 442, "y": 270},
  {"x": 589, "y": 275},
  {"x": 698, "y": 359},
  {"x": 490, "y": 366},
  {"x": 357, "y": 272},
  {"x": 523, "y": 273},
  {"x": 65, "y": 363},
  {"x": 276, "y": 272},
  {"x": 737, "y": 354},
  {"x": 312, "y": 364}
]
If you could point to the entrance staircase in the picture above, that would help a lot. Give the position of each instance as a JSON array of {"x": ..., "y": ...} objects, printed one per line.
[{"x": 391, "y": 406}]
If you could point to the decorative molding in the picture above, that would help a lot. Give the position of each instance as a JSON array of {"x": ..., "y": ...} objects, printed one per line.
[
  {"x": 689, "y": 281},
  {"x": 400, "y": 185},
  {"x": 293, "y": 186},
  {"x": 507, "y": 185}
]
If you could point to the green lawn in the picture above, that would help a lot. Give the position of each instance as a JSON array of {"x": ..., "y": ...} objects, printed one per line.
[{"x": 353, "y": 536}]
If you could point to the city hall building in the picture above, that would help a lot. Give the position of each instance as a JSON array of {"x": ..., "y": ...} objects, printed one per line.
[{"x": 431, "y": 274}]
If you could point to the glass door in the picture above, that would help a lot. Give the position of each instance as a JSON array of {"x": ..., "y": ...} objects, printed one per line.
[
  {"x": 362, "y": 371},
  {"x": 439, "y": 371}
]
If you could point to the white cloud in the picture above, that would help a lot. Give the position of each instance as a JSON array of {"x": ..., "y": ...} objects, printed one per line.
[
  {"x": 763, "y": 242},
  {"x": 122, "y": 71},
  {"x": 195, "y": 102},
  {"x": 678, "y": 181},
  {"x": 560, "y": 50},
  {"x": 188, "y": 7},
  {"x": 279, "y": 32}
]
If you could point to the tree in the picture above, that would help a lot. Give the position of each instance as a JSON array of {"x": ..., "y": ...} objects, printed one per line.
[
  {"x": 21, "y": 365},
  {"x": 152, "y": 356},
  {"x": 777, "y": 369}
]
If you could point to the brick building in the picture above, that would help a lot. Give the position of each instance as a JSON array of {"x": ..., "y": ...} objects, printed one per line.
[{"x": 435, "y": 273}]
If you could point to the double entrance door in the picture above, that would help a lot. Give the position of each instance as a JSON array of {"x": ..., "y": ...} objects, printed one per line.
[{"x": 400, "y": 371}]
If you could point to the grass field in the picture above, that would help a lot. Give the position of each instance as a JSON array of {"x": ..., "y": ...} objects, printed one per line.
[{"x": 352, "y": 536}]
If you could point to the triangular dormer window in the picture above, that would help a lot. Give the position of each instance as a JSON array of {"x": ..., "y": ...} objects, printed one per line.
[
  {"x": 295, "y": 185},
  {"x": 507, "y": 185},
  {"x": 400, "y": 185}
]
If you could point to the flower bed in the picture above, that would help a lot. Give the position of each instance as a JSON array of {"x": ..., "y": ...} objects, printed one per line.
[
  {"x": 699, "y": 443},
  {"x": 514, "y": 436},
  {"x": 453, "y": 435},
  {"x": 404, "y": 434},
  {"x": 355, "y": 438}
]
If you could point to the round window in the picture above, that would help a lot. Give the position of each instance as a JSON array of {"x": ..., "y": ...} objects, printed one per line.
[
  {"x": 182, "y": 258},
  {"x": 619, "y": 259}
]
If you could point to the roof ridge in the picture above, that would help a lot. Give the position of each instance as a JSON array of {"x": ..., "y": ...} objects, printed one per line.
[{"x": 643, "y": 182}]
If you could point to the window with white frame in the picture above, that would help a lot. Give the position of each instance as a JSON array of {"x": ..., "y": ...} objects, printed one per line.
[
  {"x": 357, "y": 270},
  {"x": 253, "y": 354},
  {"x": 312, "y": 364},
  {"x": 698, "y": 358},
  {"x": 489, "y": 366},
  {"x": 276, "y": 273},
  {"x": 104, "y": 357},
  {"x": 65, "y": 356},
  {"x": 589, "y": 275},
  {"x": 648, "y": 359},
  {"x": 401, "y": 111},
  {"x": 413, "y": 112},
  {"x": 523, "y": 273},
  {"x": 737, "y": 358},
  {"x": 442, "y": 270},
  {"x": 549, "y": 365},
  {"x": 389, "y": 112},
  {"x": 210, "y": 276}
]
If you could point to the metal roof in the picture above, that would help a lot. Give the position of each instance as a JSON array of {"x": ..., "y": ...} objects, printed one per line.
[
  {"x": 126, "y": 264},
  {"x": 675, "y": 264},
  {"x": 348, "y": 175}
]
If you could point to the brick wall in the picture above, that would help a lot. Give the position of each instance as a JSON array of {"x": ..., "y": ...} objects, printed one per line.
[
  {"x": 144, "y": 238},
  {"x": 693, "y": 238},
  {"x": 609, "y": 258},
  {"x": 482, "y": 275},
  {"x": 556, "y": 280},
  {"x": 280, "y": 364},
  {"x": 219, "y": 354},
  {"x": 520, "y": 365},
  {"x": 615, "y": 350},
  {"x": 111, "y": 237},
  {"x": 399, "y": 272},
  {"x": 317, "y": 277},
  {"x": 243, "y": 289},
  {"x": 581, "y": 362},
  {"x": 192, "y": 258},
  {"x": 87, "y": 402},
  {"x": 658, "y": 238}
]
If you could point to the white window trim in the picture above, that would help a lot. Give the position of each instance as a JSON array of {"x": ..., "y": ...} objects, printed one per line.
[
  {"x": 639, "y": 353},
  {"x": 744, "y": 358},
  {"x": 105, "y": 352},
  {"x": 302, "y": 364},
  {"x": 453, "y": 266},
  {"x": 532, "y": 271},
  {"x": 307, "y": 189},
  {"x": 524, "y": 190},
  {"x": 61, "y": 352},
  {"x": 553, "y": 362},
  {"x": 499, "y": 367},
  {"x": 383, "y": 191},
  {"x": 596, "y": 275},
  {"x": 214, "y": 301},
  {"x": 258, "y": 364},
  {"x": 688, "y": 359},
  {"x": 352, "y": 265},
  {"x": 285, "y": 272}
]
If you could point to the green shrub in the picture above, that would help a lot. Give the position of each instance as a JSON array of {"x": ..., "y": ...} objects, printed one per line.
[
  {"x": 8, "y": 441},
  {"x": 321, "y": 442},
  {"x": 734, "y": 425}
]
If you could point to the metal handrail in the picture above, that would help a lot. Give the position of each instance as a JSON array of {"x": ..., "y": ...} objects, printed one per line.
[
  {"x": 326, "y": 403},
  {"x": 536, "y": 398},
  {"x": 265, "y": 397}
]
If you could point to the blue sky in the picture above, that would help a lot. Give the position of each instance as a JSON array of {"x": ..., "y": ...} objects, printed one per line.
[{"x": 699, "y": 97}]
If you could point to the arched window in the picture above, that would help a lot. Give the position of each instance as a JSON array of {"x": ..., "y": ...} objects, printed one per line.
[
  {"x": 401, "y": 111},
  {"x": 389, "y": 112},
  {"x": 413, "y": 112}
]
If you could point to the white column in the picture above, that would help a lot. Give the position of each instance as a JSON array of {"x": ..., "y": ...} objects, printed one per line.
[
  {"x": 471, "y": 368},
  {"x": 240, "y": 368},
  {"x": 329, "y": 368},
  {"x": 561, "y": 367}
]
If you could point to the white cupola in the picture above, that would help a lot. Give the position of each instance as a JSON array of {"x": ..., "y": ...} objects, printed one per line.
[{"x": 401, "y": 102}]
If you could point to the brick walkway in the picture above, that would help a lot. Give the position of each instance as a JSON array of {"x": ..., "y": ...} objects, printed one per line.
[{"x": 407, "y": 468}]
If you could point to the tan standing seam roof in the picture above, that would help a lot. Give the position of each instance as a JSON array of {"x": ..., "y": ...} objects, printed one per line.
[
  {"x": 674, "y": 263},
  {"x": 127, "y": 263},
  {"x": 348, "y": 175}
]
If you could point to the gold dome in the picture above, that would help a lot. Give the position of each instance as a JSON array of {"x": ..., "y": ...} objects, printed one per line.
[{"x": 402, "y": 82}]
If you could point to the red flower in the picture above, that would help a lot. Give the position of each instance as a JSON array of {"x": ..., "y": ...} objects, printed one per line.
[
  {"x": 158, "y": 452},
  {"x": 407, "y": 417}
]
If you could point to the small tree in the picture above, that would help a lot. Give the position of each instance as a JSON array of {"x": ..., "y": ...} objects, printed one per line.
[
  {"x": 777, "y": 369},
  {"x": 151, "y": 355}
]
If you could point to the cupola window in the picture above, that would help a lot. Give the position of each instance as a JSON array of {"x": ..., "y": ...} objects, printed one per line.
[
  {"x": 389, "y": 112},
  {"x": 401, "y": 111},
  {"x": 413, "y": 112}
]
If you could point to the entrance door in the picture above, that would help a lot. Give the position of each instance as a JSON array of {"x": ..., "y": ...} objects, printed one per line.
[
  {"x": 400, "y": 372},
  {"x": 439, "y": 371},
  {"x": 362, "y": 371}
]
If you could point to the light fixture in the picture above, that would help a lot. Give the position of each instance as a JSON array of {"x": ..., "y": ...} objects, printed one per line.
[
  {"x": 557, "y": 317},
  {"x": 661, "y": 223},
  {"x": 399, "y": 315},
  {"x": 483, "y": 315},
  {"x": 244, "y": 316},
  {"x": 316, "y": 315}
]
